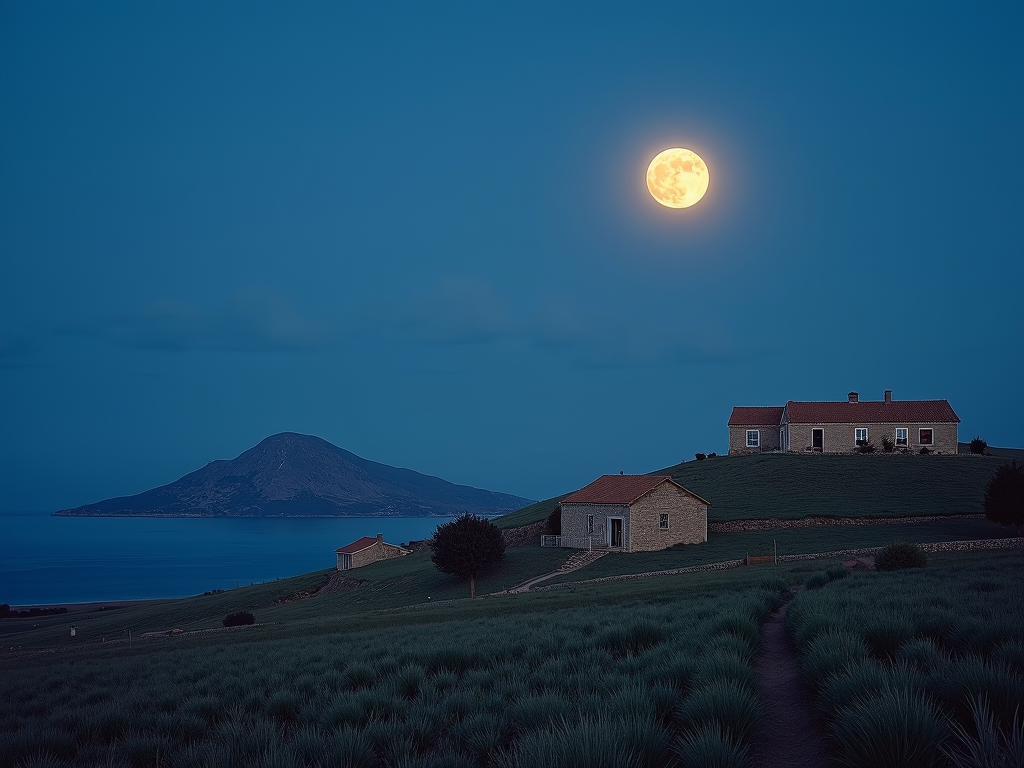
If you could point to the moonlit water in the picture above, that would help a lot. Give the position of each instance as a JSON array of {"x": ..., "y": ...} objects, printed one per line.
[{"x": 45, "y": 559}]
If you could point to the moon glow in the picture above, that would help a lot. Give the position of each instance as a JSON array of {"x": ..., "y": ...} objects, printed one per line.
[{"x": 677, "y": 178}]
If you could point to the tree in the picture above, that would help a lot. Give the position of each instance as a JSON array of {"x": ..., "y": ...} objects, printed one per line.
[
  {"x": 978, "y": 445},
  {"x": 1004, "y": 496},
  {"x": 466, "y": 546}
]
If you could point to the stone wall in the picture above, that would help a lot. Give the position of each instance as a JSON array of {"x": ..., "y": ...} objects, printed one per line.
[
  {"x": 735, "y": 526},
  {"x": 840, "y": 438},
  {"x": 738, "y": 438},
  {"x": 687, "y": 519},
  {"x": 379, "y": 550},
  {"x": 525, "y": 535},
  {"x": 574, "y": 520}
]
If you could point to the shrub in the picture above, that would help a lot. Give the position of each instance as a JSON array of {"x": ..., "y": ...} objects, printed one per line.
[
  {"x": 986, "y": 744},
  {"x": 865, "y": 446},
  {"x": 1004, "y": 496},
  {"x": 700, "y": 456},
  {"x": 817, "y": 580},
  {"x": 240, "y": 619},
  {"x": 554, "y": 522},
  {"x": 978, "y": 445},
  {"x": 897, "y": 729},
  {"x": 712, "y": 455},
  {"x": 888, "y": 445},
  {"x": 924, "y": 451},
  {"x": 829, "y": 653},
  {"x": 635, "y": 638},
  {"x": 731, "y": 706},
  {"x": 886, "y": 632},
  {"x": 899, "y": 555},
  {"x": 710, "y": 745}
]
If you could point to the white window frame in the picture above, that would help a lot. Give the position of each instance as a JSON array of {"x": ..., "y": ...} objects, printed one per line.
[
  {"x": 905, "y": 440},
  {"x": 857, "y": 435},
  {"x": 757, "y": 438},
  {"x": 931, "y": 435},
  {"x": 663, "y": 521}
]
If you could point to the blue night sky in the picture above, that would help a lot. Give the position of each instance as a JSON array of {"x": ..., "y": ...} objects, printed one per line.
[{"x": 424, "y": 235}]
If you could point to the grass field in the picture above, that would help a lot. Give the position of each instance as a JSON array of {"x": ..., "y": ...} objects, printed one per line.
[
  {"x": 379, "y": 676},
  {"x": 791, "y": 486},
  {"x": 918, "y": 667},
  {"x": 734, "y": 546}
]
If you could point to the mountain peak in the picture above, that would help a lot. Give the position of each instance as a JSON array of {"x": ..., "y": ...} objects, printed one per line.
[{"x": 291, "y": 474}]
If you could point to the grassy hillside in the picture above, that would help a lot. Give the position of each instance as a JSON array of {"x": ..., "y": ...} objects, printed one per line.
[
  {"x": 791, "y": 486},
  {"x": 634, "y": 667}
]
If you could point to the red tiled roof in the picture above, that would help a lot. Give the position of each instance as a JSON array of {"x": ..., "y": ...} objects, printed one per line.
[
  {"x": 873, "y": 411},
  {"x": 620, "y": 489},
  {"x": 758, "y": 415},
  {"x": 358, "y": 546}
]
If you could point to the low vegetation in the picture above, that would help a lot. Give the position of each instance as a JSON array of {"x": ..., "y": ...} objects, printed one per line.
[
  {"x": 789, "y": 486},
  {"x": 628, "y": 676},
  {"x": 899, "y": 555},
  {"x": 918, "y": 667}
]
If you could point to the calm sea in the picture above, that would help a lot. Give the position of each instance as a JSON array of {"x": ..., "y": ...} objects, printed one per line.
[{"x": 45, "y": 559}]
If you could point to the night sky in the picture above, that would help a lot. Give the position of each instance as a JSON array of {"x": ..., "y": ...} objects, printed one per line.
[{"x": 423, "y": 233}]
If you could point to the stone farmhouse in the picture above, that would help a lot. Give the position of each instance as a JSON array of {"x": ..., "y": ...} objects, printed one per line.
[
  {"x": 367, "y": 550},
  {"x": 631, "y": 513},
  {"x": 841, "y": 427}
]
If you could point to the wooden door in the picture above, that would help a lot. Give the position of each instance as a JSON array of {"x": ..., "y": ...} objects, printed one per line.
[
  {"x": 818, "y": 440},
  {"x": 616, "y": 532}
]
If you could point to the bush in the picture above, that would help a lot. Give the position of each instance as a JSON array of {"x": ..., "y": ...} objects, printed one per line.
[
  {"x": 888, "y": 445},
  {"x": 725, "y": 703},
  {"x": 924, "y": 451},
  {"x": 978, "y": 445},
  {"x": 865, "y": 446},
  {"x": 700, "y": 456},
  {"x": 554, "y": 523},
  {"x": 240, "y": 619},
  {"x": 899, "y": 555},
  {"x": 1004, "y": 496},
  {"x": 898, "y": 729}
]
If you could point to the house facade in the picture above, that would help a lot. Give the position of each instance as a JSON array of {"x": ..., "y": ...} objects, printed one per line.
[
  {"x": 633, "y": 513},
  {"x": 365, "y": 551},
  {"x": 844, "y": 426}
]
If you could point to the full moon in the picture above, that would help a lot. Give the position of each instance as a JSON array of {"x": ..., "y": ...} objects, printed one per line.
[{"x": 677, "y": 178}]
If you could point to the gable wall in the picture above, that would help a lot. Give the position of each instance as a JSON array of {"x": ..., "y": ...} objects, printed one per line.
[
  {"x": 574, "y": 520},
  {"x": 687, "y": 519},
  {"x": 738, "y": 438},
  {"x": 376, "y": 551}
]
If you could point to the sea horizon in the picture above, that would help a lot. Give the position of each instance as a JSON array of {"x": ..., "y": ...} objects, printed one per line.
[{"x": 70, "y": 559}]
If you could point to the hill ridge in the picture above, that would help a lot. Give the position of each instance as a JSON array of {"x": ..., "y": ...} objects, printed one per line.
[{"x": 292, "y": 475}]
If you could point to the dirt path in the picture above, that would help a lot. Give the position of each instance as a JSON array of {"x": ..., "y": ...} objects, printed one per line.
[{"x": 791, "y": 735}]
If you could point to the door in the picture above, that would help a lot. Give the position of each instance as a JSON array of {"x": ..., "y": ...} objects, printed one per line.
[
  {"x": 818, "y": 440},
  {"x": 615, "y": 532}
]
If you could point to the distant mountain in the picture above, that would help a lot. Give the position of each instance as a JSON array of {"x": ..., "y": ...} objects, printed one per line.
[{"x": 300, "y": 475}]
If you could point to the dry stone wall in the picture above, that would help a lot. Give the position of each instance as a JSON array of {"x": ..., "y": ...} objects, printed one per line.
[{"x": 735, "y": 526}]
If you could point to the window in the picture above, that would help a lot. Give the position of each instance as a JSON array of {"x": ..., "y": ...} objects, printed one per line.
[
  {"x": 664, "y": 521},
  {"x": 860, "y": 435},
  {"x": 590, "y": 523},
  {"x": 901, "y": 435},
  {"x": 925, "y": 436},
  {"x": 753, "y": 438}
]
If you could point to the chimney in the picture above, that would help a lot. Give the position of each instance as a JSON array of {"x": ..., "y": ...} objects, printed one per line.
[
  {"x": 853, "y": 397},
  {"x": 888, "y": 395},
  {"x": 380, "y": 537}
]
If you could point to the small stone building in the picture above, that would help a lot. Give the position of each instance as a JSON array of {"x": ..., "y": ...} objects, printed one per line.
[
  {"x": 841, "y": 427},
  {"x": 634, "y": 513},
  {"x": 367, "y": 550}
]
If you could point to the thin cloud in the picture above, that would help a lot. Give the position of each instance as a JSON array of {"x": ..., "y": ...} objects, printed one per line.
[{"x": 253, "y": 319}]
